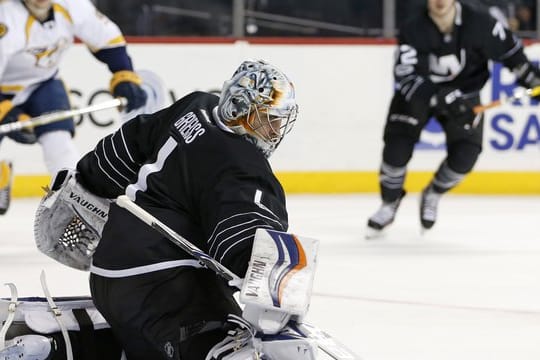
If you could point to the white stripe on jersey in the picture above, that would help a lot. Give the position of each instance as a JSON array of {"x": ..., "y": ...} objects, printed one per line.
[
  {"x": 236, "y": 234},
  {"x": 109, "y": 161},
  {"x": 125, "y": 145},
  {"x": 143, "y": 269},
  {"x": 210, "y": 241},
  {"x": 240, "y": 241},
  {"x": 118, "y": 156},
  {"x": 148, "y": 169},
  {"x": 105, "y": 173}
]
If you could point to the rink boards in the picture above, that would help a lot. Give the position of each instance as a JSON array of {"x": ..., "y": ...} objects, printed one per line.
[{"x": 343, "y": 90}]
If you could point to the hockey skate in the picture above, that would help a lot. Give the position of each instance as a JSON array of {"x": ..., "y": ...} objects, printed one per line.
[
  {"x": 383, "y": 217},
  {"x": 27, "y": 347},
  {"x": 428, "y": 208},
  {"x": 6, "y": 176}
]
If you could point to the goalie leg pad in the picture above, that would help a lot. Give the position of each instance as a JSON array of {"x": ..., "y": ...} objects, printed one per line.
[{"x": 35, "y": 331}]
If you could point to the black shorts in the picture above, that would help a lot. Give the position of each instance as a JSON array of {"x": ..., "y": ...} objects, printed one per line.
[
  {"x": 155, "y": 315},
  {"x": 406, "y": 120}
]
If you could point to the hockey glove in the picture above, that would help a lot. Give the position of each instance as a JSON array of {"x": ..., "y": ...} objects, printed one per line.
[
  {"x": 452, "y": 104},
  {"x": 528, "y": 75},
  {"x": 127, "y": 84},
  {"x": 10, "y": 113}
]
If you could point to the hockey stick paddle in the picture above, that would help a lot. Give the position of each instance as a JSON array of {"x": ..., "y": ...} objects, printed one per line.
[
  {"x": 60, "y": 115},
  {"x": 328, "y": 344},
  {"x": 516, "y": 96}
]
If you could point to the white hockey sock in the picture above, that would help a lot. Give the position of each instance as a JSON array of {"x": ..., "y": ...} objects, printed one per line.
[{"x": 59, "y": 151}]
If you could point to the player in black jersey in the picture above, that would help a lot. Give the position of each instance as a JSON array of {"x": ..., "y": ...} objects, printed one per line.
[
  {"x": 200, "y": 166},
  {"x": 441, "y": 66}
]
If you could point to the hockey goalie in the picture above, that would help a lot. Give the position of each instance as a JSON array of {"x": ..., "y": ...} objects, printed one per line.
[{"x": 209, "y": 219}]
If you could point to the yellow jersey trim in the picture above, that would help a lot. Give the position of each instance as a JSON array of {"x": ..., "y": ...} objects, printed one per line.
[{"x": 61, "y": 10}]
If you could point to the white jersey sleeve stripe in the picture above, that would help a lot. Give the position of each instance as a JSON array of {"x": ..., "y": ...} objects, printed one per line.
[
  {"x": 125, "y": 145},
  {"x": 239, "y": 241},
  {"x": 212, "y": 241},
  {"x": 119, "y": 158},
  {"x": 105, "y": 172},
  {"x": 236, "y": 234},
  {"x": 110, "y": 163},
  {"x": 218, "y": 225}
]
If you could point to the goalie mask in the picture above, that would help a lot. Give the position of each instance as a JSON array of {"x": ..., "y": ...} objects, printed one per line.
[{"x": 259, "y": 102}]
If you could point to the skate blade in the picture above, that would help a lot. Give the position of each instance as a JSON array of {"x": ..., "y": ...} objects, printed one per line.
[
  {"x": 372, "y": 234},
  {"x": 424, "y": 231}
]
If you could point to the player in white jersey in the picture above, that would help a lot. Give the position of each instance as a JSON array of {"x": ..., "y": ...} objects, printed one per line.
[{"x": 34, "y": 35}]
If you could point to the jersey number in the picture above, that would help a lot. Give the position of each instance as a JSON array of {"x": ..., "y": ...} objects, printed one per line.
[{"x": 407, "y": 55}]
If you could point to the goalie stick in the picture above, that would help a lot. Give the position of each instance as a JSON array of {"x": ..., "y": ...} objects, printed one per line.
[
  {"x": 60, "y": 115},
  {"x": 325, "y": 342}
]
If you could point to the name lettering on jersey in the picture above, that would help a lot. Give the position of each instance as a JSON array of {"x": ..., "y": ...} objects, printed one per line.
[
  {"x": 498, "y": 30},
  {"x": 88, "y": 205},
  {"x": 255, "y": 278},
  {"x": 447, "y": 67},
  {"x": 189, "y": 127},
  {"x": 3, "y": 30}
]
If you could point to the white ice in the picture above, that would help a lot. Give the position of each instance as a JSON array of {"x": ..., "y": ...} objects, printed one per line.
[{"x": 468, "y": 289}]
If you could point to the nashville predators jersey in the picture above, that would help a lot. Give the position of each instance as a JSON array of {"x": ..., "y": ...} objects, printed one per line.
[{"x": 30, "y": 50}]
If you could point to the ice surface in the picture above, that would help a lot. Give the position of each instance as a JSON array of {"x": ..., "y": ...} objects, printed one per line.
[{"x": 468, "y": 289}]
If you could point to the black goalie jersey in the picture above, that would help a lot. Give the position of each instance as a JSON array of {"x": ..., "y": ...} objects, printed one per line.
[
  {"x": 429, "y": 60},
  {"x": 187, "y": 169}
]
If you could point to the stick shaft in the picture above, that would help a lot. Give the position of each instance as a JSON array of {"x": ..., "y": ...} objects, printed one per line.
[
  {"x": 211, "y": 263},
  {"x": 60, "y": 115},
  {"x": 527, "y": 93}
]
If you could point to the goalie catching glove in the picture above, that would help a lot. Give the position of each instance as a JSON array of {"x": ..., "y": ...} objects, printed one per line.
[{"x": 69, "y": 221}]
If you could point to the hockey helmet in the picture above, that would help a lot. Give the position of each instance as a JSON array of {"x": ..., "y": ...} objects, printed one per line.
[{"x": 259, "y": 102}]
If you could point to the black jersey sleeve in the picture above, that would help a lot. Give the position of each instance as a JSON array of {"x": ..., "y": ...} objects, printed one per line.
[
  {"x": 240, "y": 195},
  {"x": 116, "y": 159},
  {"x": 498, "y": 42},
  {"x": 241, "y": 212},
  {"x": 411, "y": 69}
]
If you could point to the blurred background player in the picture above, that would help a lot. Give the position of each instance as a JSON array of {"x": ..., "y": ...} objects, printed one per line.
[
  {"x": 441, "y": 66},
  {"x": 201, "y": 167},
  {"x": 34, "y": 35}
]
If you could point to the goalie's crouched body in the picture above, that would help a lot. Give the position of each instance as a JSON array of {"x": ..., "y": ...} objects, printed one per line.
[{"x": 200, "y": 167}]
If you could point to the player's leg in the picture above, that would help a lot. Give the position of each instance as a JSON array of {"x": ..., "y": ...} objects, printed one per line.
[
  {"x": 59, "y": 150},
  {"x": 463, "y": 149},
  {"x": 6, "y": 177},
  {"x": 402, "y": 130},
  {"x": 168, "y": 314}
]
